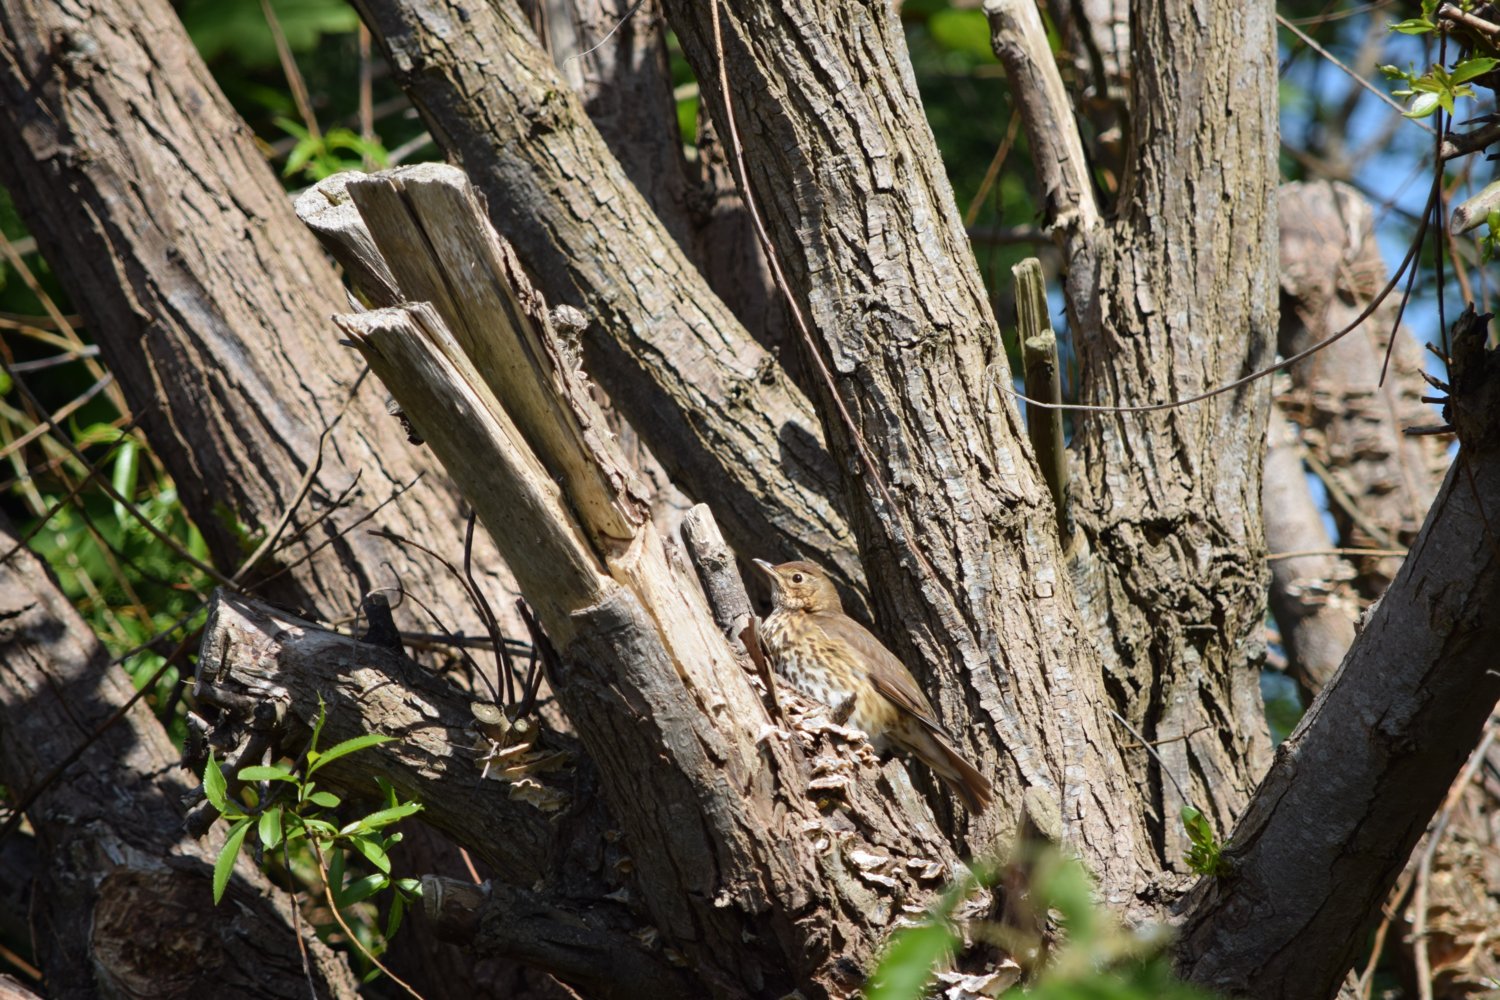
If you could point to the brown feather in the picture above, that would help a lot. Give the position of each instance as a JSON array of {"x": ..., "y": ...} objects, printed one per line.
[
  {"x": 835, "y": 660},
  {"x": 888, "y": 674}
]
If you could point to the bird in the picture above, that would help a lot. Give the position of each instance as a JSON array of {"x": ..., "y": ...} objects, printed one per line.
[{"x": 833, "y": 660}]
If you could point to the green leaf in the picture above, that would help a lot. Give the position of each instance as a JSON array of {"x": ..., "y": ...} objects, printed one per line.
[
  {"x": 410, "y": 885},
  {"x": 327, "y": 800},
  {"x": 1196, "y": 825},
  {"x": 1422, "y": 106},
  {"x": 906, "y": 966},
  {"x": 317, "y": 733},
  {"x": 270, "y": 827},
  {"x": 215, "y": 788},
  {"x": 393, "y": 923},
  {"x": 373, "y": 853},
  {"x": 362, "y": 889},
  {"x": 224, "y": 864},
  {"x": 345, "y": 748},
  {"x": 1413, "y": 26},
  {"x": 385, "y": 817},
  {"x": 261, "y": 772},
  {"x": 1471, "y": 68},
  {"x": 125, "y": 475}
]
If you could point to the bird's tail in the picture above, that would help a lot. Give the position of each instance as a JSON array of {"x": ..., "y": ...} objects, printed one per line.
[{"x": 961, "y": 777}]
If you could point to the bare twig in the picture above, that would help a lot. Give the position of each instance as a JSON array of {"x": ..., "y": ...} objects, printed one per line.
[
  {"x": 1370, "y": 553},
  {"x": 353, "y": 938},
  {"x": 1424, "y": 868},
  {"x": 1367, "y": 85},
  {"x": 1448, "y": 12},
  {"x": 395, "y": 495},
  {"x": 293, "y": 75},
  {"x": 92, "y": 472}
]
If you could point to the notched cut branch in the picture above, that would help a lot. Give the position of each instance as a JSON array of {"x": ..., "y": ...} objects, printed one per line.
[{"x": 721, "y": 813}]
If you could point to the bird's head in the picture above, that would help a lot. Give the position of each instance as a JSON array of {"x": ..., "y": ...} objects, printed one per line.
[{"x": 800, "y": 586}]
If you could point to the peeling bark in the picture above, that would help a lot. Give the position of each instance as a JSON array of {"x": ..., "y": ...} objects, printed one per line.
[{"x": 1380, "y": 481}]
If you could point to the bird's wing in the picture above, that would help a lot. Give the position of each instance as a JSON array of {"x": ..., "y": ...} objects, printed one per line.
[{"x": 888, "y": 674}]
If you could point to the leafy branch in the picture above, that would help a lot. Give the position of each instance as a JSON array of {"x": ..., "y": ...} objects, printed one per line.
[{"x": 291, "y": 808}]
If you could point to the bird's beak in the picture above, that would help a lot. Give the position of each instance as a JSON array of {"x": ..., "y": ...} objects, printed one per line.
[{"x": 766, "y": 568}]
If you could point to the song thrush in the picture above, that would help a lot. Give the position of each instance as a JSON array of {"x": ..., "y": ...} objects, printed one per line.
[{"x": 834, "y": 660}]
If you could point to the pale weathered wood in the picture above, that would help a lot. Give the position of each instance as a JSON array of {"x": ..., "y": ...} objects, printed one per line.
[
  {"x": 447, "y": 401},
  {"x": 1020, "y": 41},
  {"x": 717, "y": 570},
  {"x": 328, "y": 211},
  {"x": 432, "y": 232},
  {"x": 690, "y": 766},
  {"x": 709, "y": 402}
]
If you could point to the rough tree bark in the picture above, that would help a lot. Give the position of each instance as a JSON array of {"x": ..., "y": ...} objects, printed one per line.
[
  {"x": 950, "y": 513},
  {"x": 740, "y": 879},
  {"x": 738, "y": 869},
  {"x": 121, "y": 903},
  {"x": 1170, "y": 576},
  {"x": 144, "y": 188},
  {"x": 625, "y": 85},
  {"x": 711, "y": 405},
  {"x": 175, "y": 240}
]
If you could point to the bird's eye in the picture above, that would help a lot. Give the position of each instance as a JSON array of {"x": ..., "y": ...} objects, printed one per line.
[{"x": 796, "y": 577}]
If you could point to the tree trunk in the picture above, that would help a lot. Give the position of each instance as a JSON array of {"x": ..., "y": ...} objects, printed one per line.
[
  {"x": 684, "y": 829},
  {"x": 1184, "y": 300},
  {"x": 710, "y": 404},
  {"x": 122, "y": 905},
  {"x": 951, "y": 516},
  {"x": 143, "y": 187}
]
